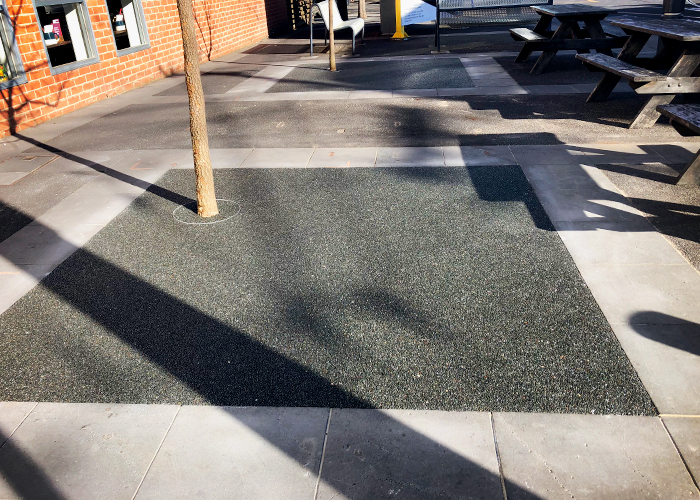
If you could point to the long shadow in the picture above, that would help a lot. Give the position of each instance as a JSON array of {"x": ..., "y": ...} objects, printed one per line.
[
  {"x": 678, "y": 333},
  {"x": 23, "y": 475},
  {"x": 126, "y": 178},
  {"x": 226, "y": 366}
]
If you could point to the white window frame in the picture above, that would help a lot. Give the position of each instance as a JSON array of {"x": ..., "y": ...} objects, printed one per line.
[
  {"x": 9, "y": 41},
  {"x": 143, "y": 30},
  {"x": 86, "y": 25}
]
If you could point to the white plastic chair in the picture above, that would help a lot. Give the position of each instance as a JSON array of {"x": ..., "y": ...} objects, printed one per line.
[{"x": 356, "y": 25}]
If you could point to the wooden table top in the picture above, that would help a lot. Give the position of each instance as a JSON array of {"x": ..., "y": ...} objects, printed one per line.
[
  {"x": 682, "y": 29},
  {"x": 572, "y": 10}
]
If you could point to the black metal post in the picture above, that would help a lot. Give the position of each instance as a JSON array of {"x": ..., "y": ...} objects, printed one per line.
[
  {"x": 437, "y": 25},
  {"x": 673, "y": 7}
]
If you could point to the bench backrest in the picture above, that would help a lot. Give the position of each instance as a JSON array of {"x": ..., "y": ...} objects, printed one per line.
[{"x": 323, "y": 9}]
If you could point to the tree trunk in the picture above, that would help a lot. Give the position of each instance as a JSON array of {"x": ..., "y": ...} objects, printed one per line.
[
  {"x": 363, "y": 10},
  {"x": 206, "y": 199},
  {"x": 331, "y": 35}
]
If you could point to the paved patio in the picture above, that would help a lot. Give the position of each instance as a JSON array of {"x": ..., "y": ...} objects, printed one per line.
[{"x": 388, "y": 253}]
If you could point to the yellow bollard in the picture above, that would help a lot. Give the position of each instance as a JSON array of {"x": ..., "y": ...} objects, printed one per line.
[{"x": 400, "y": 33}]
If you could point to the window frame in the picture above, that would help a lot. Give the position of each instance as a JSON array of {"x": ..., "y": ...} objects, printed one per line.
[
  {"x": 87, "y": 26},
  {"x": 143, "y": 30},
  {"x": 11, "y": 49}
]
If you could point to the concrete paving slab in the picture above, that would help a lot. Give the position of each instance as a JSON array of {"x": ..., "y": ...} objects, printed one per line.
[
  {"x": 327, "y": 94},
  {"x": 278, "y": 158},
  {"x": 678, "y": 152},
  {"x": 667, "y": 359},
  {"x": 9, "y": 178},
  {"x": 72, "y": 451},
  {"x": 11, "y": 415},
  {"x": 36, "y": 245},
  {"x": 343, "y": 158},
  {"x": 371, "y": 94},
  {"x": 239, "y": 453},
  {"x": 156, "y": 159},
  {"x": 620, "y": 153},
  {"x": 610, "y": 243},
  {"x": 459, "y": 92},
  {"x": 409, "y": 454},
  {"x": 410, "y": 157},
  {"x": 264, "y": 79},
  {"x": 584, "y": 179},
  {"x": 548, "y": 155},
  {"x": 589, "y": 457},
  {"x": 456, "y": 156},
  {"x": 685, "y": 432},
  {"x": 17, "y": 281},
  {"x": 25, "y": 163},
  {"x": 625, "y": 291},
  {"x": 220, "y": 158}
]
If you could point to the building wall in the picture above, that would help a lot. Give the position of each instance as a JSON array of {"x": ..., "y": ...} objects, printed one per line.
[{"x": 223, "y": 26}]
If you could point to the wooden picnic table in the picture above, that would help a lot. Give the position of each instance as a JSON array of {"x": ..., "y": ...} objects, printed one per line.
[
  {"x": 679, "y": 51},
  {"x": 568, "y": 36}
]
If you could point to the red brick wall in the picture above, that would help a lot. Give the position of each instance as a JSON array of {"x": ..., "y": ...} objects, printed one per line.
[{"x": 224, "y": 26}]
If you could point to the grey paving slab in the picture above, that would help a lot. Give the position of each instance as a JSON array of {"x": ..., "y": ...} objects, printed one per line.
[
  {"x": 459, "y": 92},
  {"x": 11, "y": 415},
  {"x": 377, "y": 75},
  {"x": 620, "y": 153},
  {"x": 9, "y": 178},
  {"x": 277, "y": 96},
  {"x": 548, "y": 155},
  {"x": 685, "y": 432},
  {"x": 37, "y": 245},
  {"x": 343, "y": 157},
  {"x": 71, "y": 451},
  {"x": 579, "y": 193},
  {"x": 415, "y": 93},
  {"x": 409, "y": 454},
  {"x": 634, "y": 242},
  {"x": 456, "y": 156},
  {"x": 410, "y": 157},
  {"x": 498, "y": 86},
  {"x": 371, "y": 94},
  {"x": 667, "y": 359},
  {"x": 264, "y": 79},
  {"x": 239, "y": 453},
  {"x": 156, "y": 159},
  {"x": 220, "y": 158},
  {"x": 589, "y": 457},
  {"x": 25, "y": 163},
  {"x": 278, "y": 158},
  {"x": 327, "y": 94},
  {"x": 623, "y": 292},
  {"x": 679, "y": 152}
]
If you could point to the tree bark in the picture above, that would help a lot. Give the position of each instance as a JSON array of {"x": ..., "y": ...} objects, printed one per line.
[
  {"x": 331, "y": 35},
  {"x": 206, "y": 198},
  {"x": 363, "y": 10}
]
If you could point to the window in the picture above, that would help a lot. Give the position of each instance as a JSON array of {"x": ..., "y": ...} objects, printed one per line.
[
  {"x": 128, "y": 25},
  {"x": 67, "y": 33},
  {"x": 11, "y": 68}
]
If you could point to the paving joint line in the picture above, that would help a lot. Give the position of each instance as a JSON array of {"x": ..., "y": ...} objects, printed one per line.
[
  {"x": 18, "y": 426},
  {"x": 167, "y": 431},
  {"x": 323, "y": 452},
  {"x": 498, "y": 457},
  {"x": 675, "y": 446}
]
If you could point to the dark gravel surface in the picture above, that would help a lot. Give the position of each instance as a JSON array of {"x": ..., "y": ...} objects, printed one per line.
[
  {"x": 390, "y": 288},
  {"x": 564, "y": 69},
  {"x": 377, "y": 75},
  {"x": 673, "y": 210},
  {"x": 469, "y": 121}
]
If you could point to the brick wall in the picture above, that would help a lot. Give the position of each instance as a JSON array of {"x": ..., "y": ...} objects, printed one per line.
[{"x": 223, "y": 26}]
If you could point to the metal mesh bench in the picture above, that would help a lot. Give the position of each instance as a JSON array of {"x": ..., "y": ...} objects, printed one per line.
[{"x": 458, "y": 11}]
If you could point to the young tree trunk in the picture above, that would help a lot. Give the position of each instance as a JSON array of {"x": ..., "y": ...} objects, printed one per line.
[
  {"x": 331, "y": 35},
  {"x": 206, "y": 199},
  {"x": 363, "y": 10}
]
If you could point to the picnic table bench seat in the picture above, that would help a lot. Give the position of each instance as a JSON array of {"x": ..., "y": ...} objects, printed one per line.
[
  {"x": 688, "y": 117},
  {"x": 621, "y": 68}
]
